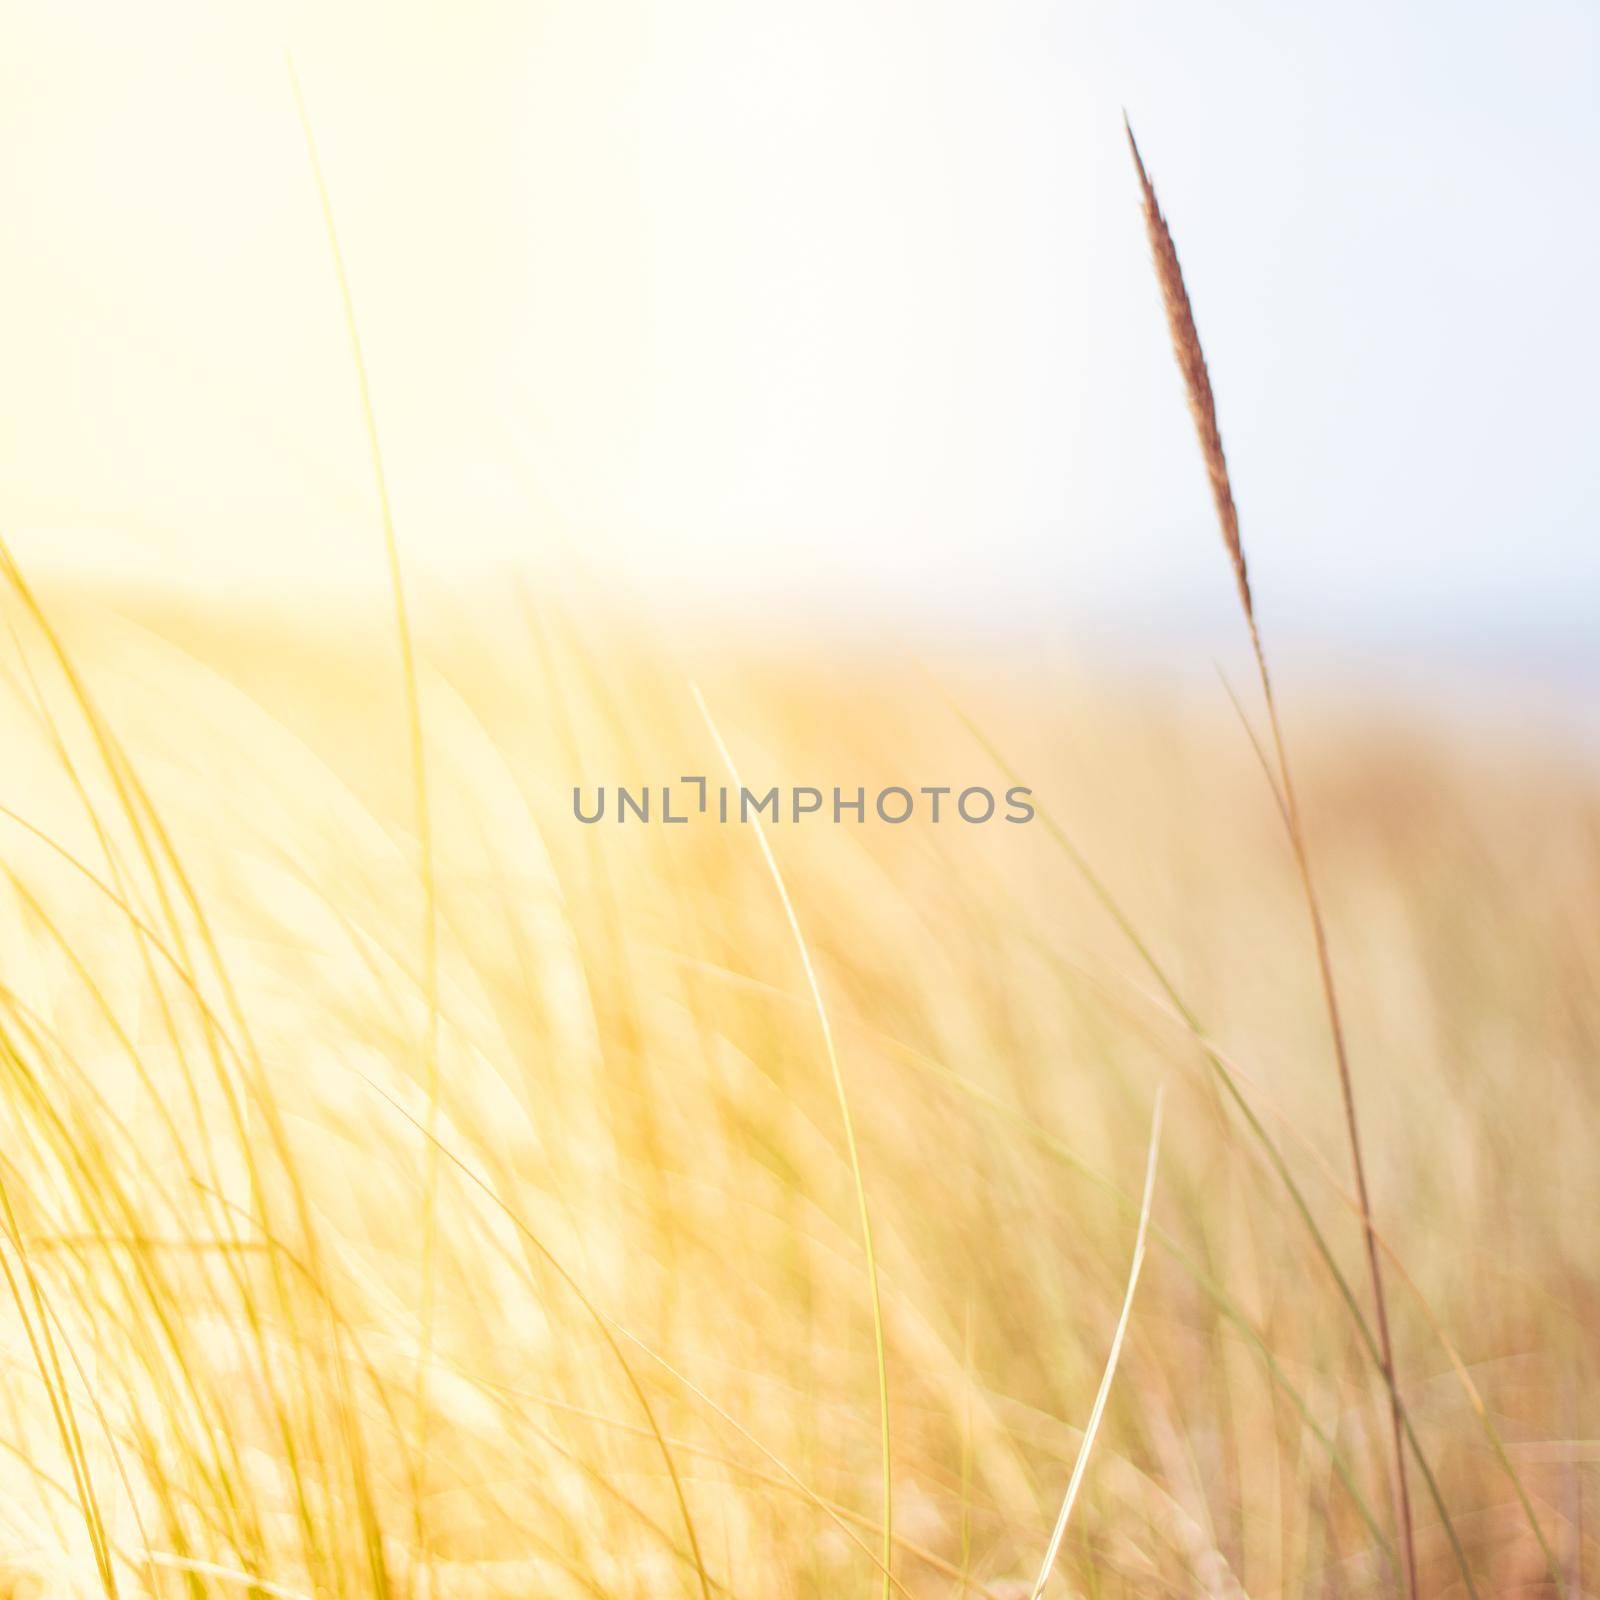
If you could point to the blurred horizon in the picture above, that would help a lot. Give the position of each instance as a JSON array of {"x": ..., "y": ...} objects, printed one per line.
[{"x": 1454, "y": 691}]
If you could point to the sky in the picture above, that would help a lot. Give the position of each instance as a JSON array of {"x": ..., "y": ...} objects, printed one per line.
[{"x": 832, "y": 309}]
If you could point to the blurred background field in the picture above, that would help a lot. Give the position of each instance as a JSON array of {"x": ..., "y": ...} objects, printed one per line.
[{"x": 237, "y": 1347}]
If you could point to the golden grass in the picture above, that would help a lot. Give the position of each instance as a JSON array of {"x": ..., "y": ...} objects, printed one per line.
[{"x": 651, "y": 1366}]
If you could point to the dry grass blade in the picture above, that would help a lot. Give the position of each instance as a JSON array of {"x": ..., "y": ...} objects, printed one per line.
[
  {"x": 845, "y": 1116},
  {"x": 1080, "y": 1466},
  {"x": 419, "y": 770},
  {"x": 1202, "y": 407}
]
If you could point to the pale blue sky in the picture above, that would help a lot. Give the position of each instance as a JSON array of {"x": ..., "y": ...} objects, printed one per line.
[{"x": 841, "y": 305}]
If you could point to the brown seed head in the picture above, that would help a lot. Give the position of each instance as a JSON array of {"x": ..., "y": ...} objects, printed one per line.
[{"x": 1196, "y": 380}]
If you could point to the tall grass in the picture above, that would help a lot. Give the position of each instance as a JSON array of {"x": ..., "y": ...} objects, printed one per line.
[
  {"x": 652, "y": 1366},
  {"x": 1191, "y": 360}
]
